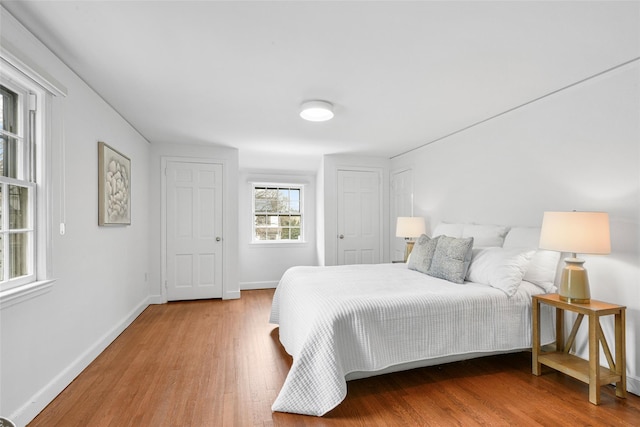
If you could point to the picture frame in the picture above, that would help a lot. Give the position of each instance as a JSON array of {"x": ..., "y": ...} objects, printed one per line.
[{"x": 114, "y": 187}]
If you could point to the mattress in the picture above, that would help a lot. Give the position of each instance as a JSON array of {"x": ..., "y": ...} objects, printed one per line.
[{"x": 342, "y": 320}]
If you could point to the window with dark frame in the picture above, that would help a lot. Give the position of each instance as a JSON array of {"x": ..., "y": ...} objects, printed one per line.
[{"x": 277, "y": 213}]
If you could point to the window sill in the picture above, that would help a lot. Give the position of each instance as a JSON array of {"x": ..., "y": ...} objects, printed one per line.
[
  {"x": 23, "y": 293},
  {"x": 279, "y": 244}
]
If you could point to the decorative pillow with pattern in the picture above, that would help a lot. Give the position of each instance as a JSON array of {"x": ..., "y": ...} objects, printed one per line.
[
  {"x": 451, "y": 258},
  {"x": 422, "y": 253}
]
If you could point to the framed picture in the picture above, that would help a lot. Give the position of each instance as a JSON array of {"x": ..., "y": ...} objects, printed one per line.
[{"x": 114, "y": 187}]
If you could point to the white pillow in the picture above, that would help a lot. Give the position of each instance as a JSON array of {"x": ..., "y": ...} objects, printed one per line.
[
  {"x": 485, "y": 235},
  {"x": 448, "y": 229},
  {"x": 543, "y": 269},
  {"x": 500, "y": 268},
  {"x": 544, "y": 264}
]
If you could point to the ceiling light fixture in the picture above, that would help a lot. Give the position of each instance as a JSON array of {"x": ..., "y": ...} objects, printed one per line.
[{"x": 316, "y": 111}]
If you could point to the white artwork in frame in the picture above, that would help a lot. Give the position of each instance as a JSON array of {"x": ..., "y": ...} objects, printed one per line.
[{"x": 114, "y": 186}]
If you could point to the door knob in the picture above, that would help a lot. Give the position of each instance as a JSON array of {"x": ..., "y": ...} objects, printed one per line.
[
  {"x": 341, "y": 236},
  {"x": 218, "y": 239}
]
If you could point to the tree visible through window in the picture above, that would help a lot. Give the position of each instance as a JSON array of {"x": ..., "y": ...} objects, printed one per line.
[{"x": 277, "y": 213}]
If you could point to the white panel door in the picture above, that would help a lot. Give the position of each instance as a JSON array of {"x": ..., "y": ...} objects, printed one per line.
[
  {"x": 194, "y": 230},
  {"x": 359, "y": 216},
  {"x": 401, "y": 205}
]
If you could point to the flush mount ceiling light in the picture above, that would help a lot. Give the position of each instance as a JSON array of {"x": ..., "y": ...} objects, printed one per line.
[{"x": 316, "y": 111}]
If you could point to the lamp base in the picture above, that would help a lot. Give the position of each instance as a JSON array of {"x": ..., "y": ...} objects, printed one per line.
[
  {"x": 574, "y": 284},
  {"x": 407, "y": 250},
  {"x": 574, "y": 300}
]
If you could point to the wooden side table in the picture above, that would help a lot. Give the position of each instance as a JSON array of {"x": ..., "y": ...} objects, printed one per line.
[{"x": 589, "y": 371}]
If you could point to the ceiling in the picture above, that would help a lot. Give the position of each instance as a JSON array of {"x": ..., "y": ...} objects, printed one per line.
[{"x": 400, "y": 74}]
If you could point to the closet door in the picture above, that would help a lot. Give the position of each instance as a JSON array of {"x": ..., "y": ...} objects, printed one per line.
[
  {"x": 194, "y": 230},
  {"x": 359, "y": 217}
]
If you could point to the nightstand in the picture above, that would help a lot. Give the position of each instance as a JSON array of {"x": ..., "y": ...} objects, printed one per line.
[{"x": 589, "y": 371}]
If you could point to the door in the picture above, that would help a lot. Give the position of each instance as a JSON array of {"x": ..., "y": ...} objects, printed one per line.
[
  {"x": 359, "y": 217},
  {"x": 194, "y": 230},
  {"x": 401, "y": 205}
]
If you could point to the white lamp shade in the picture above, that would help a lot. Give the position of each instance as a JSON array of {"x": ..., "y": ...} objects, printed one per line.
[
  {"x": 316, "y": 111},
  {"x": 576, "y": 232},
  {"x": 410, "y": 226}
]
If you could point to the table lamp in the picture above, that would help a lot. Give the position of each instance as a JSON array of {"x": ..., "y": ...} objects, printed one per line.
[
  {"x": 409, "y": 227},
  {"x": 575, "y": 232}
]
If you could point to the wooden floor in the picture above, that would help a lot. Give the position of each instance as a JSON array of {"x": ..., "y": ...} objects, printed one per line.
[{"x": 219, "y": 363}]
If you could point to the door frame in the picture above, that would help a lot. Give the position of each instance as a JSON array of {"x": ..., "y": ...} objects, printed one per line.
[
  {"x": 380, "y": 174},
  {"x": 163, "y": 217},
  {"x": 393, "y": 214}
]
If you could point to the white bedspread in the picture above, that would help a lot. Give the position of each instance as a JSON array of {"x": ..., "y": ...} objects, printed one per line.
[{"x": 337, "y": 320}]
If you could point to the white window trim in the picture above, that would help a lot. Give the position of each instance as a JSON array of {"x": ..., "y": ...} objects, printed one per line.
[
  {"x": 18, "y": 70},
  {"x": 24, "y": 292},
  {"x": 278, "y": 243}
]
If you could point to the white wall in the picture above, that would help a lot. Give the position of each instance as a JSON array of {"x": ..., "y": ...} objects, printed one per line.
[
  {"x": 262, "y": 264},
  {"x": 229, "y": 159},
  {"x": 330, "y": 167},
  {"x": 100, "y": 272},
  {"x": 578, "y": 149}
]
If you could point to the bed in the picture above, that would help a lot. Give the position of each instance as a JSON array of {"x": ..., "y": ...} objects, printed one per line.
[{"x": 345, "y": 322}]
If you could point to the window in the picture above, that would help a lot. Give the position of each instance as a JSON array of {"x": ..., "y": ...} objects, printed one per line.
[
  {"x": 277, "y": 213},
  {"x": 25, "y": 171},
  {"x": 17, "y": 187}
]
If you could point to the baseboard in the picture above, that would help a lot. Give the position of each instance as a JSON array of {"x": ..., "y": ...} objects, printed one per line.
[
  {"x": 27, "y": 412},
  {"x": 247, "y": 286},
  {"x": 155, "y": 299},
  {"x": 633, "y": 385},
  {"x": 231, "y": 295}
]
